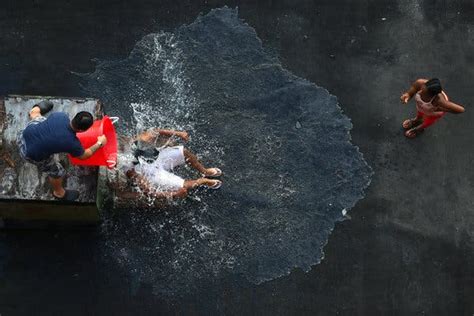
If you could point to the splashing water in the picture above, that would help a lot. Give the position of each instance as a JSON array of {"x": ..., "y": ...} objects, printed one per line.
[
  {"x": 283, "y": 143},
  {"x": 173, "y": 105}
]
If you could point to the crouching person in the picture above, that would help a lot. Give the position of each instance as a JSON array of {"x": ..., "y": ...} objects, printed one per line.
[{"x": 43, "y": 137}]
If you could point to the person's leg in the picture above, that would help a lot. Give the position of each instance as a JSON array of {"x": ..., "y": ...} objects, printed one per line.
[
  {"x": 56, "y": 175},
  {"x": 193, "y": 161},
  {"x": 167, "y": 181},
  {"x": 410, "y": 123},
  {"x": 429, "y": 120},
  {"x": 57, "y": 185},
  {"x": 35, "y": 112},
  {"x": 41, "y": 109},
  {"x": 419, "y": 115}
]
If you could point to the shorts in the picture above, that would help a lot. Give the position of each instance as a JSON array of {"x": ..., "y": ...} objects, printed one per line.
[
  {"x": 49, "y": 165},
  {"x": 428, "y": 120},
  {"x": 171, "y": 157},
  {"x": 159, "y": 172}
]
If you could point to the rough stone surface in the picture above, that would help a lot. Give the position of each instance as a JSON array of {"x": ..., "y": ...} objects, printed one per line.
[{"x": 19, "y": 179}]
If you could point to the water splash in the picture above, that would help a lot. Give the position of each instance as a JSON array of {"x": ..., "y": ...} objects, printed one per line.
[
  {"x": 173, "y": 102},
  {"x": 282, "y": 142}
]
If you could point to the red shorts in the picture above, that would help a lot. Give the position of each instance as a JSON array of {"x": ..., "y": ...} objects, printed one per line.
[{"x": 428, "y": 120}]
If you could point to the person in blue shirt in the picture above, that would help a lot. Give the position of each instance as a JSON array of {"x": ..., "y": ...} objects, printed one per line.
[{"x": 44, "y": 137}]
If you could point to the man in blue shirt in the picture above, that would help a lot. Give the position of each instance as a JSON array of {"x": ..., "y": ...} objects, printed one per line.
[{"x": 44, "y": 137}]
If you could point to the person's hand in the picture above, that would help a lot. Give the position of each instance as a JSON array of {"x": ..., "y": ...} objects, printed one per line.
[
  {"x": 102, "y": 139},
  {"x": 405, "y": 98},
  {"x": 184, "y": 136}
]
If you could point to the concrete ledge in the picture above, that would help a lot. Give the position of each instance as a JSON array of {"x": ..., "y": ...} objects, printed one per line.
[{"x": 25, "y": 195}]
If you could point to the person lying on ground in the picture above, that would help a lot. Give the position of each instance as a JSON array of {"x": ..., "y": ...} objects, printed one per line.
[
  {"x": 44, "y": 137},
  {"x": 431, "y": 105},
  {"x": 154, "y": 158}
]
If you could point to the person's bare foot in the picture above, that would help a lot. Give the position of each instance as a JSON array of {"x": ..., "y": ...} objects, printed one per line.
[
  {"x": 69, "y": 195},
  {"x": 410, "y": 123},
  {"x": 413, "y": 132}
]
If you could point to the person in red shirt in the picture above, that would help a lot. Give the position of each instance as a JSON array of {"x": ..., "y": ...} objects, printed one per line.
[{"x": 431, "y": 105}]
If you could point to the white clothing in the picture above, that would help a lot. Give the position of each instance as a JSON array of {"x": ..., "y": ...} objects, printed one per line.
[
  {"x": 426, "y": 107},
  {"x": 159, "y": 173}
]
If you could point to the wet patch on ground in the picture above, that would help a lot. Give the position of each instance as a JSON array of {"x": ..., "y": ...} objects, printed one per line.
[{"x": 290, "y": 170}]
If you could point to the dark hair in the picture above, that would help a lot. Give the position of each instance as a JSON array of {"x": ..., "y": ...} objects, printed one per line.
[
  {"x": 82, "y": 121},
  {"x": 144, "y": 150},
  {"x": 434, "y": 86}
]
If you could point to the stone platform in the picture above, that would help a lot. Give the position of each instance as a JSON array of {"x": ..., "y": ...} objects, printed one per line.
[{"x": 25, "y": 195}]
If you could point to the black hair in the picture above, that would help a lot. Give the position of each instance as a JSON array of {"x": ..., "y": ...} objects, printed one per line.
[
  {"x": 144, "y": 150},
  {"x": 434, "y": 86},
  {"x": 82, "y": 121}
]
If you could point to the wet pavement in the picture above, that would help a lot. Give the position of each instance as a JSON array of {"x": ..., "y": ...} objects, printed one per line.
[{"x": 407, "y": 250}]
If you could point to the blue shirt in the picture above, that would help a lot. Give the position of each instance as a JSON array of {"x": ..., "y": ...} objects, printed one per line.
[{"x": 55, "y": 135}]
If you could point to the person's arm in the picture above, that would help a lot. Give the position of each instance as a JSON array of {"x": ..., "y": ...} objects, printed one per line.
[
  {"x": 414, "y": 88},
  {"x": 168, "y": 132},
  {"x": 147, "y": 188},
  {"x": 101, "y": 141},
  {"x": 448, "y": 106},
  {"x": 152, "y": 134}
]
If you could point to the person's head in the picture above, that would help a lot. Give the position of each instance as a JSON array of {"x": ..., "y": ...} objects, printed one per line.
[
  {"x": 144, "y": 151},
  {"x": 82, "y": 121},
  {"x": 433, "y": 86}
]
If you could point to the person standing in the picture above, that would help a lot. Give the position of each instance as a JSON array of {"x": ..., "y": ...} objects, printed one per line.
[
  {"x": 431, "y": 105},
  {"x": 43, "y": 137}
]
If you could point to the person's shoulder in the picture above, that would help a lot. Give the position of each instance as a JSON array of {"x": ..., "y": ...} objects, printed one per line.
[{"x": 441, "y": 98}]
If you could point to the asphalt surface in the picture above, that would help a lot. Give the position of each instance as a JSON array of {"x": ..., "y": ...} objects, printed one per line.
[{"x": 408, "y": 249}]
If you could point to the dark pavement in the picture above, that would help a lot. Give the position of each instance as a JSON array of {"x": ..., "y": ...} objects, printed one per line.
[{"x": 408, "y": 249}]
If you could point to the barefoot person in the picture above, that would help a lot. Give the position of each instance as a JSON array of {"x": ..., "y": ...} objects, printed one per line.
[
  {"x": 43, "y": 137},
  {"x": 431, "y": 105},
  {"x": 155, "y": 157}
]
